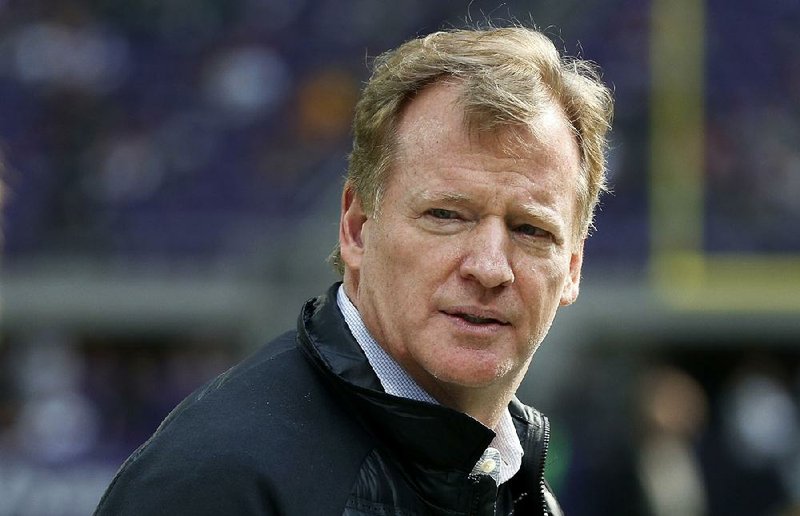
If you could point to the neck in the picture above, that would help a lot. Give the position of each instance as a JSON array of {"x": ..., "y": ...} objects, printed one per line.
[{"x": 485, "y": 404}]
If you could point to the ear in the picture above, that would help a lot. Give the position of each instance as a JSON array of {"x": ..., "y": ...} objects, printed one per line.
[
  {"x": 351, "y": 226},
  {"x": 572, "y": 284}
]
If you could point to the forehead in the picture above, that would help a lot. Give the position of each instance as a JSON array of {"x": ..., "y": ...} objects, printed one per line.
[
  {"x": 434, "y": 121},
  {"x": 433, "y": 128}
]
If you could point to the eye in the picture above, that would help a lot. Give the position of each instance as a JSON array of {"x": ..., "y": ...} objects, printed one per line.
[
  {"x": 440, "y": 213},
  {"x": 532, "y": 231}
]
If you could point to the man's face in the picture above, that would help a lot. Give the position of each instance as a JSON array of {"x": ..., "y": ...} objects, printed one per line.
[{"x": 460, "y": 273}]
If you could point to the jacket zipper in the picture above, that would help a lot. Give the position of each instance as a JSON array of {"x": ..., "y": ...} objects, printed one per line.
[{"x": 543, "y": 460}]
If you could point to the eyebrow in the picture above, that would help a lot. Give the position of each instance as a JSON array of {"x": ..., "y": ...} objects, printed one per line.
[
  {"x": 454, "y": 197},
  {"x": 546, "y": 215}
]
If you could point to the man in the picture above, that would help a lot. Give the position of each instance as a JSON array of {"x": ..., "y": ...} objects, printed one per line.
[{"x": 477, "y": 161}]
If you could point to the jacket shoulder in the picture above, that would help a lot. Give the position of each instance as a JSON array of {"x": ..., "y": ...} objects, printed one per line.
[{"x": 250, "y": 441}]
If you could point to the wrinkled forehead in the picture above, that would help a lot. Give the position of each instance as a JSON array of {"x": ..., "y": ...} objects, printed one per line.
[{"x": 437, "y": 117}]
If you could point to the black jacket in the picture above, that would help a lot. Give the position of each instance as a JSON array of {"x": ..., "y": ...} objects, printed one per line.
[{"x": 303, "y": 427}]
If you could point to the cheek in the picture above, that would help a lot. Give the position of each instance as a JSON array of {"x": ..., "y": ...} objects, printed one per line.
[
  {"x": 397, "y": 262},
  {"x": 545, "y": 274},
  {"x": 413, "y": 251},
  {"x": 542, "y": 286}
]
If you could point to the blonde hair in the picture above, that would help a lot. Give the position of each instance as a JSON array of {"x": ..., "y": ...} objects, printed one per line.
[{"x": 507, "y": 76}]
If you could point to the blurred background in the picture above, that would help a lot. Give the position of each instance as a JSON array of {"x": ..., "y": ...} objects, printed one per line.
[{"x": 172, "y": 177}]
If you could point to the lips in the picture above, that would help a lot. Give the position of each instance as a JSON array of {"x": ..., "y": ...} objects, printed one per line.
[{"x": 477, "y": 315}]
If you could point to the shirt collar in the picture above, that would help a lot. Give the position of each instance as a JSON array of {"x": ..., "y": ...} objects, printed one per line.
[{"x": 396, "y": 381}]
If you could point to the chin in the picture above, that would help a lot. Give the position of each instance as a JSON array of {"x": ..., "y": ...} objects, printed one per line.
[{"x": 475, "y": 377}]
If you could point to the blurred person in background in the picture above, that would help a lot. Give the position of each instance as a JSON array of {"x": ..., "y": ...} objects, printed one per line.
[
  {"x": 673, "y": 409},
  {"x": 477, "y": 161}
]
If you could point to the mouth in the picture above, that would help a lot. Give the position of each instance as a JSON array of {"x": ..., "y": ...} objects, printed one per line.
[{"x": 478, "y": 319}]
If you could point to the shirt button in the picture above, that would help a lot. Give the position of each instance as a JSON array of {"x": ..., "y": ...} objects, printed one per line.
[{"x": 488, "y": 466}]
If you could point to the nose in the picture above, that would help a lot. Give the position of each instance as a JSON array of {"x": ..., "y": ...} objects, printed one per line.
[{"x": 486, "y": 258}]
